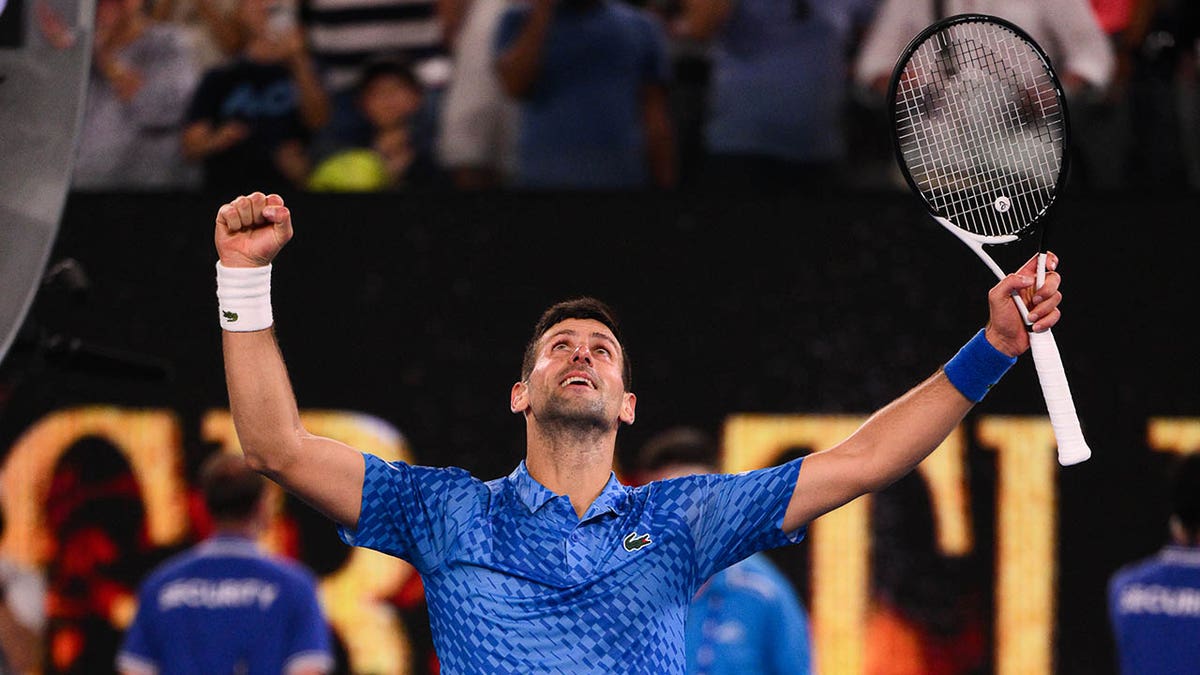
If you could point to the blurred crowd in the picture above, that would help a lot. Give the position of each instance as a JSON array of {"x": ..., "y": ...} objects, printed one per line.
[{"x": 371, "y": 95}]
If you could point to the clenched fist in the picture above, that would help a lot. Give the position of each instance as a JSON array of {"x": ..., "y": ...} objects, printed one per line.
[{"x": 252, "y": 229}]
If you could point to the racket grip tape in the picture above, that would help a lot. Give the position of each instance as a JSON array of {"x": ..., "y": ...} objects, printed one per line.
[{"x": 1072, "y": 448}]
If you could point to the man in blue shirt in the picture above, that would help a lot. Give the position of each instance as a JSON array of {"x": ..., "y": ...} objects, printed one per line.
[
  {"x": 779, "y": 88},
  {"x": 746, "y": 618},
  {"x": 1155, "y": 604},
  {"x": 224, "y": 606},
  {"x": 590, "y": 78},
  {"x": 558, "y": 566}
]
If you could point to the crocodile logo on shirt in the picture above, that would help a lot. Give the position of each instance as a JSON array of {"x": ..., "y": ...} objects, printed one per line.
[
  {"x": 229, "y": 316},
  {"x": 634, "y": 541}
]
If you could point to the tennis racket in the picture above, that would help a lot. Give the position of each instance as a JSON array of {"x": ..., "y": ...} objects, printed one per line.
[{"x": 979, "y": 123}]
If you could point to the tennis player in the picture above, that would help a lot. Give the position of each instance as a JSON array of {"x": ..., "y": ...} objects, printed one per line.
[{"x": 558, "y": 567}]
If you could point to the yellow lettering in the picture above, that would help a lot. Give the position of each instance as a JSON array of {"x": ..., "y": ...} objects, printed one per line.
[
  {"x": 1174, "y": 434},
  {"x": 148, "y": 439},
  {"x": 840, "y": 539},
  {"x": 1027, "y": 509}
]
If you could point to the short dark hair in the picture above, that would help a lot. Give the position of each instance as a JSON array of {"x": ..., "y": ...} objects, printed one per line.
[
  {"x": 577, "y": 308},
  {"x": 1185, "y": 497},
  {"x": 388, "y": 66},
  {"x": 680, "y": 445},
  {"x": 231, "y": 489}
]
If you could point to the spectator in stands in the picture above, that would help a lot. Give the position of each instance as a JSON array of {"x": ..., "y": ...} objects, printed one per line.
[
  {"x": 1190, "y": 95},
  {"x": 1066, "y": 29},
  {"x": 1154, "y": 604},
  {"x": 478, "y": 123},
  {"x": 390, "y": 98},
  {"x": 778, "y": 87},
  {"x": 1162, "y": 97},
  {"x": 590, "y": 78},
  {"x": 212, "y": 25},
  {"x": 746, "y": 618},
  {"x": 249, "y": 120},
  {"x": 1105, "y": 165},
  {"x": 347, "y": 35},
  {"x": 143, "y": 73}
]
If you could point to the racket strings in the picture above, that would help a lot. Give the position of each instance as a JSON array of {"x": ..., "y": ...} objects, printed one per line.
[
  {"x": 974, "y": 105},
  {"x": 980, "y": 127}
]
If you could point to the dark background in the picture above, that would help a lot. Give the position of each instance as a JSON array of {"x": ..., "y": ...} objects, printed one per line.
[{"x": 415, "y": 308}]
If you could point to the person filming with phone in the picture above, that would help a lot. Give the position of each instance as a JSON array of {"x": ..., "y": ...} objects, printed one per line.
[{"x": 250, "y": 119}]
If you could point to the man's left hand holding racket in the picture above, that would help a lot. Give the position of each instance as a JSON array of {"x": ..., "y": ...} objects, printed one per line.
[{"x": 1006, "y": 330}]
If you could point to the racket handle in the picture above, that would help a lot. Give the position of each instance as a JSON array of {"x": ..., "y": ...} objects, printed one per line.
[{"x": 1072, "y": 448}]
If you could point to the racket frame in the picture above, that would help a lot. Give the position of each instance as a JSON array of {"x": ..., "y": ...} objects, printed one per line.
[
  {"x": 1065, "y": 168},
  {"x": 1072, "y": 447}
]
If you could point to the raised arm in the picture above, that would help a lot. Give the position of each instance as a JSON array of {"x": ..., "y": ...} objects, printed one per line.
[
  {"x": 896, "y": 438},
  {"x": 519, "y": 65},
  {"x": 250, "y": 231},
  {"x": 702, "y": 19}
]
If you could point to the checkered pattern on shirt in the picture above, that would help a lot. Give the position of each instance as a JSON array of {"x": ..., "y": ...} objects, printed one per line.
[{"x": 517, "y": 583}]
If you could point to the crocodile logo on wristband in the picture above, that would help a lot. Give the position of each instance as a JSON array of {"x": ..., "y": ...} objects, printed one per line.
[{"x": 229, "y": 316}]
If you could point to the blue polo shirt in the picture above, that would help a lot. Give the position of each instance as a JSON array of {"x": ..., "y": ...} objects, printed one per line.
[
  {"x": 581, "y": 125},
  {"x": 747, "y": 619},
  {"x": 517, "y": 583},
  {"x": 779, "y": 78},
  {"x": 226, "y": 607},
  {"x": 1155, "y": 610}
]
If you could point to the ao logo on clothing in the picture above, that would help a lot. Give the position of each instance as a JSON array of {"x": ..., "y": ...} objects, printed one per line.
[{"x": 246, "y": 101}]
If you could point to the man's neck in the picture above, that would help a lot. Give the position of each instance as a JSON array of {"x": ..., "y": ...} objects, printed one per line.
[
  {"x": 576, "y": 465},
  {"x": 247, "y": 529}
]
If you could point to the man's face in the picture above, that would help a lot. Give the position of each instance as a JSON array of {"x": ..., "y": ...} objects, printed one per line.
[
  {"x": 255, "y": 15},
  {"x": 111, "y": 14},
  {"x": 576, "y": 379},
  {"x": 389, "y": 100}
]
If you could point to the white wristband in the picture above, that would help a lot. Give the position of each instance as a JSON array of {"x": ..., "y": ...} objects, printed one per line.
[{"x": 244, "y": 298}]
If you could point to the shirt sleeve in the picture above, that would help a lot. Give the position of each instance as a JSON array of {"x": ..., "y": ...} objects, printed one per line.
[
  {"x": 1084, "y": 47},
  {"x": 657, "y": 65},
  {"x": 733, "y": 516},
  {"x": 170, "y": 81},
  {"x": 413, "y": 512},
  {"x": 138, "y": 654},
  {"x": 790, "y": 640},
  {"x": 507, "y": 28},
  {"x": 203, "y": 106},
  {"x": 889, "y": 32},
  {"x": 310, "y": 647}
]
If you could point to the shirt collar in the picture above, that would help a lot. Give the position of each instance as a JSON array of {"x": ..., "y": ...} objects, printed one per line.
[
  {"x": 1183, "y": 555},
  {"x": 534, "y": 495},
  {"x": 225, "y": 543},
  {"x": 612, "y": 499}
]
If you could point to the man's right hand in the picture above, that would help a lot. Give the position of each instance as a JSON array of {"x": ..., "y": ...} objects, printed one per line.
[{"x": 252, "y": 229}]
